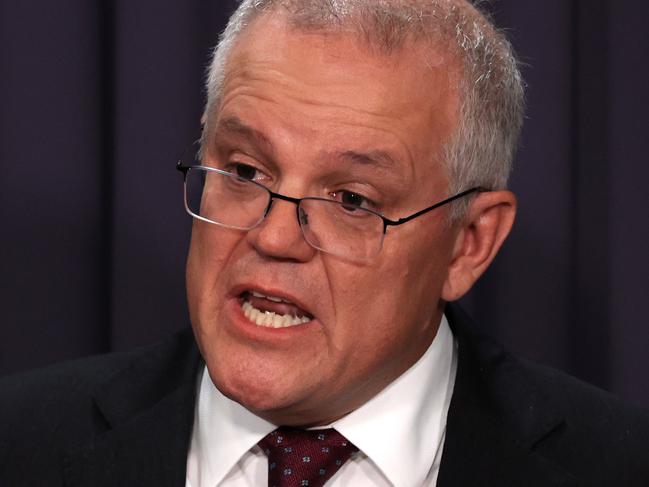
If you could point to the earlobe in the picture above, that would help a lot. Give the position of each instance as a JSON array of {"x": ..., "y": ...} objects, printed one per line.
[{"x": 482, "y": 233}]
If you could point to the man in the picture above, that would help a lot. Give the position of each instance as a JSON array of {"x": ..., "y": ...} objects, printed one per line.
[{"x": 351, "y": 183}]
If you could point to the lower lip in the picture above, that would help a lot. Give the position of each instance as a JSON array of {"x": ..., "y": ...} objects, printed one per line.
[{"x": 251, "y": 331}]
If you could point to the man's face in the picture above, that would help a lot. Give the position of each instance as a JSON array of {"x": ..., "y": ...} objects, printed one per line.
[{"x": 318, "y": 114}]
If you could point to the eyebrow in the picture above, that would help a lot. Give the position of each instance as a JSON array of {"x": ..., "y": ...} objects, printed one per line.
[
  {"x": 234, "y": 126},
  {"x": 378, "y": 158}
]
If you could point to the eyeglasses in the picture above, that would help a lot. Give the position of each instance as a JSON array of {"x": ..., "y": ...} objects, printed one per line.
[{"x": 346, "y": 230}]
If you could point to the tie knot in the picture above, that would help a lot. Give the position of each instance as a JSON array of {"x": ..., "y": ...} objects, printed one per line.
[
  {"x": 286, "y": 437},
  {"x": 299, "y": 457}
]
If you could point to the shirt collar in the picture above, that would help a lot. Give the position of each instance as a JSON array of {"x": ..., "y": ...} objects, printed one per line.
[
  {"x": 223, "y": 432},
  {"x": 401, "y": 429}
]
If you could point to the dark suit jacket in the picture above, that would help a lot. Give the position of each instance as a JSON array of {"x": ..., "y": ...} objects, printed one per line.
[{"x": 125, "y": 420}]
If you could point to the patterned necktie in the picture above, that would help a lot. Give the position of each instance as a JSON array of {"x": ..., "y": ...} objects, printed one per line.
[{"x": 299, "y": 457}]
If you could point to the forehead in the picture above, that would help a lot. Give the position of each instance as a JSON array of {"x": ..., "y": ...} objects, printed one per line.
[{"x": 336, "y": 85}]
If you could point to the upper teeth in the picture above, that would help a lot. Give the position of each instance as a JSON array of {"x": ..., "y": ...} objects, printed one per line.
[
  {"x": 270, "y": 319},
  {"x": 270, "y": 298}
]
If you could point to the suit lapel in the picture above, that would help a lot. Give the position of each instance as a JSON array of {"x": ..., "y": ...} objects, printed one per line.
[
  {"x": 149, "y": 410},
  {"x": 495, "y": 420}
]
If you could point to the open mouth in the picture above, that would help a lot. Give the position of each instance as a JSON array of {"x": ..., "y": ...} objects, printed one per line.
[{"x": 272, "y": 311}]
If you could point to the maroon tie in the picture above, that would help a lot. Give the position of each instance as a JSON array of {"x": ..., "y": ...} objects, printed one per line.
[{"x": 299, "y": 457}]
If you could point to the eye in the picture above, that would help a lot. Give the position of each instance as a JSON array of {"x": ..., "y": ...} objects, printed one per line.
[
  {"x": 352, "y": 201},
  {"x": 246, "y": 171}
]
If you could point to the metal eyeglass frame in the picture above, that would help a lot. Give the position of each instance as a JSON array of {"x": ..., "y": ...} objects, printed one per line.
[{"x": 273, "y": 195}]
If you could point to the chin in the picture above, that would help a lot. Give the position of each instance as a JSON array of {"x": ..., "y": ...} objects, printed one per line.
[{"x": 257, "y": 394}]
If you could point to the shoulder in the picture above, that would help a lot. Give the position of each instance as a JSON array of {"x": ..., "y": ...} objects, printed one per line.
[
  {"x": 598, "y": 438},
  {"x": 593, "y": 418},
  {"x": 44, "y": 397},
  {"x": 503, "y": 374},
  {"x": 579, "y": 400},
  {"x": 58, "y": 382},
  {"x": 589, "y": 433},
  {"x": 47, "y": 411},
  {"x": 55, "y": 388}
]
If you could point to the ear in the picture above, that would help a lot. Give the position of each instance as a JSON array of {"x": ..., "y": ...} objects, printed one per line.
[{"x": 479, "y": 238}]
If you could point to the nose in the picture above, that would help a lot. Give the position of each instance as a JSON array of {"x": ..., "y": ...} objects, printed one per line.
[{"x": 279, "y": 236}]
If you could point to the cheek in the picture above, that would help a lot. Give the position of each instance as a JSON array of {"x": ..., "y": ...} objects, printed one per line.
[
  {"x": 407, "y": 288},
  {"x": 368, "y": 301},
  {"x": 209, "y": 252}
]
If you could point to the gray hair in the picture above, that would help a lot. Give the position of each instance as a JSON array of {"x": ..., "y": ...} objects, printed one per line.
[{"x": 482, "y": 147}]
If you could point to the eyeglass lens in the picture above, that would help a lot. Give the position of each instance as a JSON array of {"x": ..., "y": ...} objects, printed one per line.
[{"x": 228, "y": 200}]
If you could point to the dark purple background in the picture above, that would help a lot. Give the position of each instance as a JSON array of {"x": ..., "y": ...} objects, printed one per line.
[{"x": 97, "y": 99}]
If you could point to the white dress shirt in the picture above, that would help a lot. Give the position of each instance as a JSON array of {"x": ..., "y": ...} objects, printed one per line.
[{"x": 399, "y": 432}]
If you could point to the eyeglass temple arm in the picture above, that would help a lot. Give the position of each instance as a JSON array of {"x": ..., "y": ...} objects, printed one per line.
[{"x": 387, "y": 222}]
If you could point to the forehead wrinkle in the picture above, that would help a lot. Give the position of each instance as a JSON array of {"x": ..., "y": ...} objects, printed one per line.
[
  {"x": 311, "y": 96},
  {"x": 245, "y": 74},
  {"x": 250, "y": 73},
  {"x": 326, "y": 114}
]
